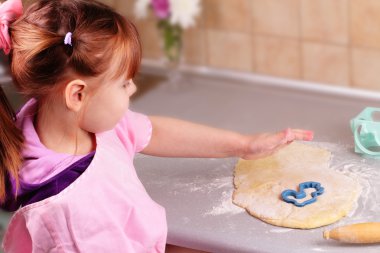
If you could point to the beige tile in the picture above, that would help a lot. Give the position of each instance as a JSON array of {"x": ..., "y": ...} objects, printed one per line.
[
  {"x": 194, "y": 46},
  {"x": 365, "y": 68},
  {"x": 325, "y": 20},
  {"x": 150, "y": 38},
  {"x": 229, "y": 50},
  {"x": 125, "y": 8},
  {"x": 325, "y": 63},
  {"x": 26, "y": 3},
  {"x": 276, "y": 17},
  {"x": 227, "y": 15},
  {"x": 108, "y": 2},
  {"x": 364, "y": 23},
  {"x": 277, "y": 56}
]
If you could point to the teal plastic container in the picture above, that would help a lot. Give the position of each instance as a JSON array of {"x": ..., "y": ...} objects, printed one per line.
[{"x": 366, "y": 130}]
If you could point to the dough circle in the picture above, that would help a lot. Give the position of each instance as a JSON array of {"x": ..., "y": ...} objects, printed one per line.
[{"x": 259, "y": 183}]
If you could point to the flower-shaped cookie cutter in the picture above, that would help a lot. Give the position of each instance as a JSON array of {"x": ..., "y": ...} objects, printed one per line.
[
  {"x": 366, "y": 130},
  {"x": 302, "y": 194}
]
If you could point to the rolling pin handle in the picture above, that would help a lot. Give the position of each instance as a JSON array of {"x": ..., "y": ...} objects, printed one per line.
[
  {"x": 355, "y": 233},
  {"x": 326, "y": 234}
]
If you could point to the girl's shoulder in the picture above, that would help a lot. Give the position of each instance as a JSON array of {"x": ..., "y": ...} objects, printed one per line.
[{"x": 134, "y": 130}]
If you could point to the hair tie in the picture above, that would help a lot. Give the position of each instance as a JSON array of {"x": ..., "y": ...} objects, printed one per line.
[
  {"x": 9, "y": 11},
  {"x": 68, "y": 39}
]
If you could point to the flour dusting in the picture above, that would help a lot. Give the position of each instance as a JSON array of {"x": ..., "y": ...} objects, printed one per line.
[
  {"x": 226, "y": 206},
  {"x": 318, "y": 249},
  {"x": 366, "y": 171},
  {"x": 205, "y": 186},
  {"x": 281, "y": 230}
]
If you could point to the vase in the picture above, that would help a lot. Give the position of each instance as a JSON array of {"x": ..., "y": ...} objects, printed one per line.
[{"x": 172, "y": 51}]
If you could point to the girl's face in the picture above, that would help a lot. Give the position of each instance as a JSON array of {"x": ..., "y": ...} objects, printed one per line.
[{"x": 106, "y": 107}]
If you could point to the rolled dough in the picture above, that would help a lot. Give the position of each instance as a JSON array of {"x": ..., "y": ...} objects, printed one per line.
[{"x": 259, "y": 183}]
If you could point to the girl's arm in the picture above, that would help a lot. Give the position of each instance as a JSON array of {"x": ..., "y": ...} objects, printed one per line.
[{"x": 178, "y": 138}]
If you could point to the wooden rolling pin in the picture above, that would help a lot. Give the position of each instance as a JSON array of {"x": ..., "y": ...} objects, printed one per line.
[{"x": 356, "y": 233}]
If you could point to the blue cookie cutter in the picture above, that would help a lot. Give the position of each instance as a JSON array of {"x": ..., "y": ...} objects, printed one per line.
[{"x": 301, "y": 194}]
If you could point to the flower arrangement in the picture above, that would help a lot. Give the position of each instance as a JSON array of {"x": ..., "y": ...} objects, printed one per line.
[{"x": 173, "y": 17}]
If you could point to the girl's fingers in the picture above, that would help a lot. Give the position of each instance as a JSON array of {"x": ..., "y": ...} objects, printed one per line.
[
  {"x": 265, "y": 153},
  {"x": 304, "y": 135},
  {"x": 288, "y": 135},
  {"x": 268, "y": 144},
  {"x": 272, "y": 141}
]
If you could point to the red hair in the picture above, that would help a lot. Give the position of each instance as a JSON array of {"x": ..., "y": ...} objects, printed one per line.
[{"x": 40, "y": 60}]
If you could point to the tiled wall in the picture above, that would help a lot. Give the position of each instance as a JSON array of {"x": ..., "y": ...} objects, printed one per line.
[{"x": 328, "y": 41}]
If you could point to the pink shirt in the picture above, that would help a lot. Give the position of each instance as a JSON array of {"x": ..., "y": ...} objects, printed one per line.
[{"x": 105, "y": 210}]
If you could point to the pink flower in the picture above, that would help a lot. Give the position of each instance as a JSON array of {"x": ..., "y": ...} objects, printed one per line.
[{"x": 161, "y": 8}]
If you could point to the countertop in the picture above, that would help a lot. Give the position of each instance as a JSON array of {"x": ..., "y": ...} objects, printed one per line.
[{"x": 197, "y": 192}]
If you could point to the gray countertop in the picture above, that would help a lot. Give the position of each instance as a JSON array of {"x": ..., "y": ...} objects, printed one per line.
[{"x": 197, "y": 192}]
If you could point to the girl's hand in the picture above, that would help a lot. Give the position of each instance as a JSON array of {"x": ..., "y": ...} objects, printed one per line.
[{"x": 261, "y": 145}]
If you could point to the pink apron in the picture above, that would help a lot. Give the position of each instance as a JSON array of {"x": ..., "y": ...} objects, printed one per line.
[{"x": 105, "y": 210}]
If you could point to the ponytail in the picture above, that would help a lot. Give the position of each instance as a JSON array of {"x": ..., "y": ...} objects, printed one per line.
[{"x": 11, "y": 140}]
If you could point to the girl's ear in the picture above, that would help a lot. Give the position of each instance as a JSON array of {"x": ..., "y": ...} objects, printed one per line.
[{"x": 75, "y": 93}]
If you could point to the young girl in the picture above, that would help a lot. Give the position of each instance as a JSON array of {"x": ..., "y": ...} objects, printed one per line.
[{"x": 66, "y": 159}]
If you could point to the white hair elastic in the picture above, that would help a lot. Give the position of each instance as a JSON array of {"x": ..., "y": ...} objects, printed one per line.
[{"x": 68, "y": 39}]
